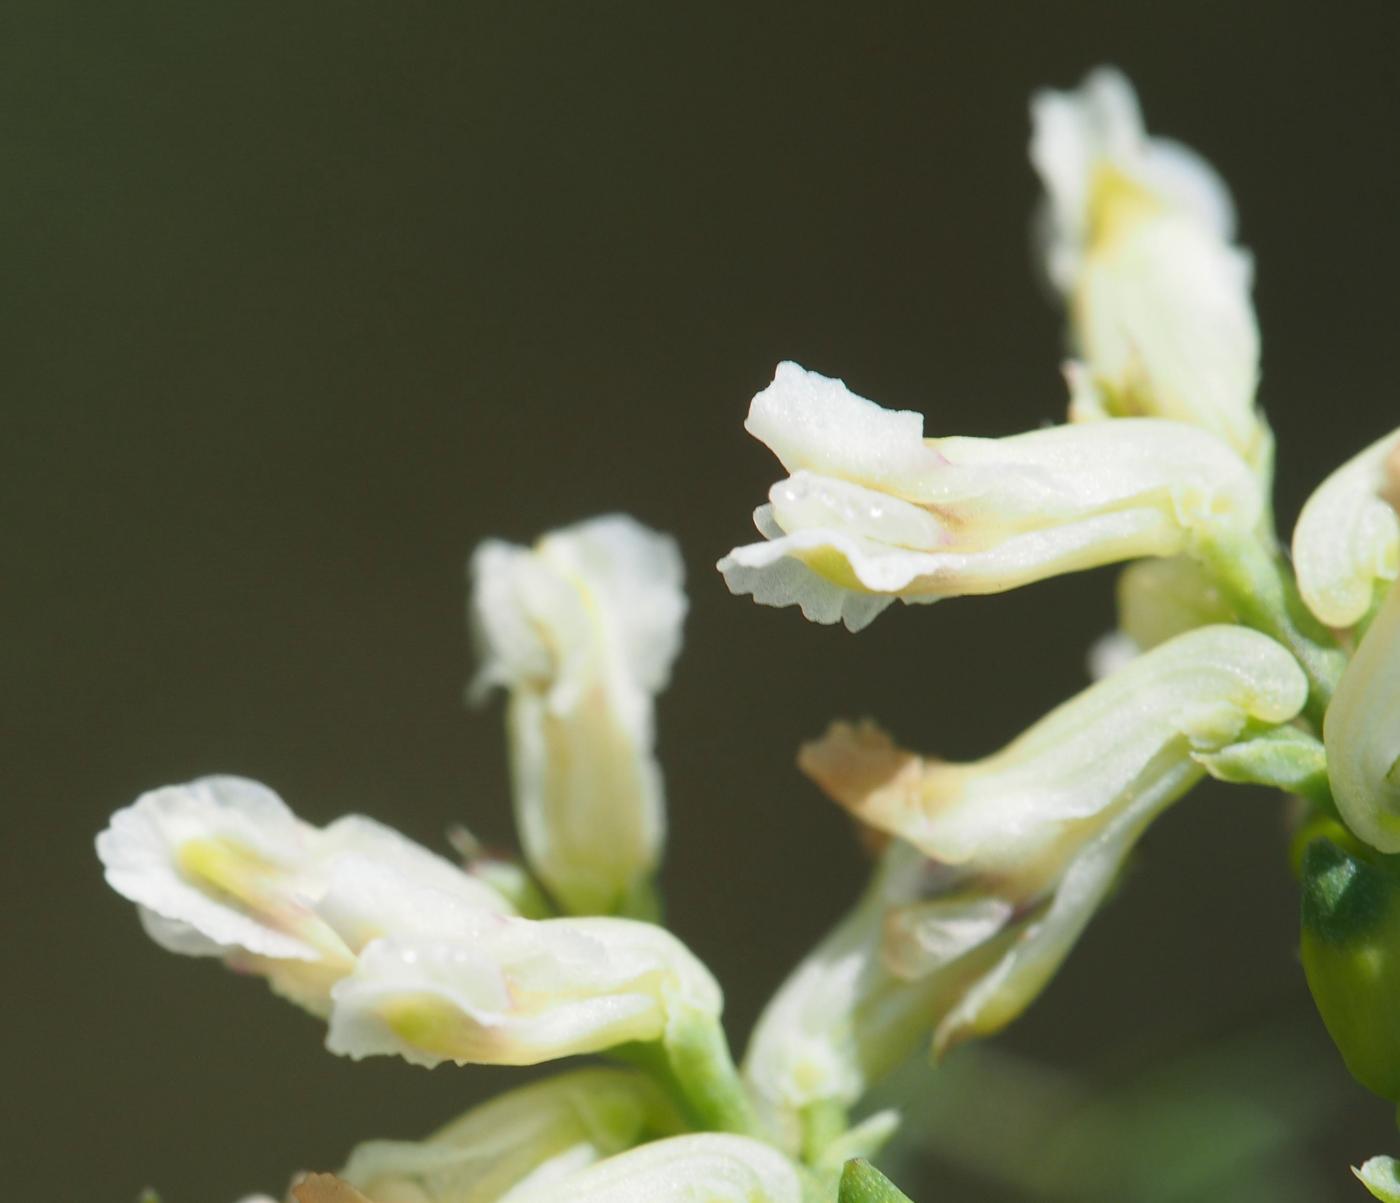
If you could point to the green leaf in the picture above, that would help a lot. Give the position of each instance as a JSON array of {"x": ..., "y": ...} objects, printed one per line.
[{"x": 861, "y": 1182}]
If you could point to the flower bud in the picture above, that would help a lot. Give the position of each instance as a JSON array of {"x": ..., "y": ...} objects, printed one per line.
[
  {"x": 221, "y": 867},
  {"x": 1138, "y": 239},
  {"x": 1351, "y": 955},
  {"x": 581, "y": 630},
  {"x": 827, "y": 1032},
  {"x": 1361, "y": 732},
  {"x": 1346, "y": 545},
  {"x": 536, "y": 1134},
  {"x": 1160, "y": 599},
  {"x": 873, "y": 511},
  {"x": 709, "y": 1165},
  {"x": 1380, "y": 1176},
  {"x": 1157, "y": 599}
]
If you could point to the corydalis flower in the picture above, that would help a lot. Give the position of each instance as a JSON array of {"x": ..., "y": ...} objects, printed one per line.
[
  {"x": 1129, "y": 736},
  {"x": 403, "y": 952},
  {"x": 509, "y": 991},
  {"x": 1346, "y": 545},
  {"x": 222, "y": 867},
  {"x": 531, "y": 1136},
  {"x": 582, "y": 629},
  {"x": 1000, "y": 863},
  {"x": 873, "y": 511},
  {"x": 705, "y": 1166},
  {"x": 1138, "y": 238}
]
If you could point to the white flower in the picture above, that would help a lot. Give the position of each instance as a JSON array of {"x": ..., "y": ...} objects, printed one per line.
[
  {"x": 404, "y": 952},
  {"x": 535, "y": 1135},
  {"x": 1138, "y": 238},
  {"x": 1130, "y": 734},
  {"x": 1079, "y": 135},
  {"x": 221, "y": 867},
  {"x": 1346, "y": 544},
  {"x": 582, "y": 630},
  {"x": 1006, "y": 859},
  {"x": 874, "y": 511},
  {"x": 706, "y": 1167},
  {"x": 1362, "y": 733},
  {"x": 499, "y": 989}
]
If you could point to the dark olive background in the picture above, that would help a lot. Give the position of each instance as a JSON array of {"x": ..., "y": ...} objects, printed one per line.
[{"x": 303, "y": 300}]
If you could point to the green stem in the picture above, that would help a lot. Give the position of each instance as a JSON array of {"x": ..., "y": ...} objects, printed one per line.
[
  {"x": 1263, "y": 594},
  {"x": 704, "y": 1073}
]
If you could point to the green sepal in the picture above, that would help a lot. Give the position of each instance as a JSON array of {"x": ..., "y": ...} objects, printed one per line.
[
  {"x": 1380, "y": 1176},
  {"x": 861, "y": 1182},
  {"x": 1283, "y": 758},
  {"x": 1351, "y": 955}
]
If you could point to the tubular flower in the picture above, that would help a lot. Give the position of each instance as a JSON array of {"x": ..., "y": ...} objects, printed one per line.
[
  {"x": 1006, "y": 859},
  {"x": 873, "y": 511},
  {"x": 581, "y": 629},
  {"x": 501, "y": 990},
  {"x": 221, "y": 867},
  {"x": 1137, "y": 237},
  {"x": 705, "y": 1166},
  {"x": 534, "y": 1135},
  {"x": 1362, "y": 733},
  {"x": 400, "y": 950},
  {"x": 1346, "y": 545}
]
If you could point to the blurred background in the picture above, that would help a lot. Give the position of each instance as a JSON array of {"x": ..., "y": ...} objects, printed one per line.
[{"x": 303, "y": 301}]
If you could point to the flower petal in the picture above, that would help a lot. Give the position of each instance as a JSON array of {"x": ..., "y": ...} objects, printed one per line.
[
  {"x": 1347, "y": 540},
  {"x": 540, "y": 1132}
]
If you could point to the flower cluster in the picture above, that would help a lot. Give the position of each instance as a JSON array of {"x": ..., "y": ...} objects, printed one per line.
[{"x": 1228, "y": 661}]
